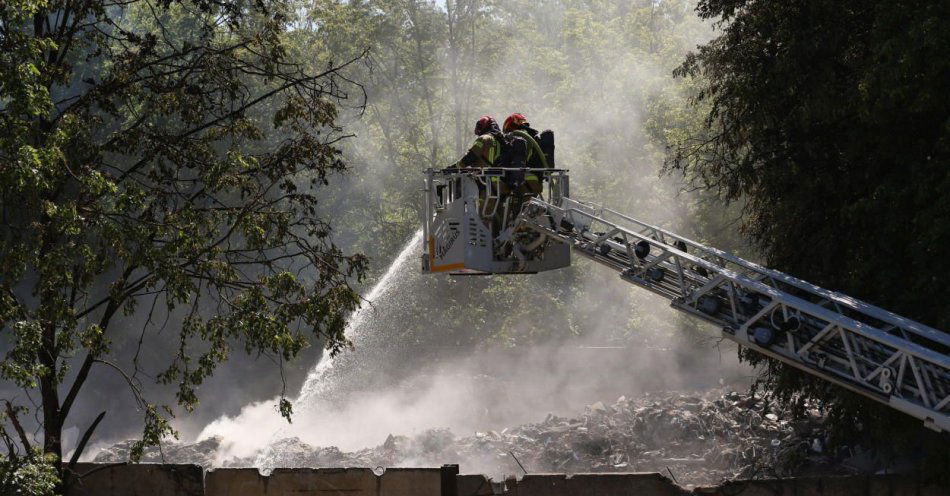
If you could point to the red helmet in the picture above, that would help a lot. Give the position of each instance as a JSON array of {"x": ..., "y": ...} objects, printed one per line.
[
  {"x": 485, "y": 124},
  {"x": 515, "y": 121}
]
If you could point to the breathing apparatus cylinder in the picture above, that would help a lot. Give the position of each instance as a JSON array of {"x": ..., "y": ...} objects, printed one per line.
[{"x": 546, "y": 142}]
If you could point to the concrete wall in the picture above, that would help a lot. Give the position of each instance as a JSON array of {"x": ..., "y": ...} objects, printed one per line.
[
  {"x": 145, "y": 479},
  {"x": 651, "y": 484},
  {"x": 871, "y": 485},
  {"x": 601, "y": 484},
  {"x": 324, "y": 481},
  {"x": 191, "y": 480}
]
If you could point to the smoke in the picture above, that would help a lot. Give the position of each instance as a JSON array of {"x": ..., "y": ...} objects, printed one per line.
[
  {"x": 489, "y": 390},
  {"x": 244, "y": 434},
  {"x": 386, "y": 387}
]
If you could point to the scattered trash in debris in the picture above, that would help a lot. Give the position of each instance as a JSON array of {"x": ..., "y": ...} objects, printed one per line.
[{"x": 703, "y": 439}]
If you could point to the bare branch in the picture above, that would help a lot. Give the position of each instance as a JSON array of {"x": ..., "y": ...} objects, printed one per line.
[
  {"x": 12, "y": 414},
  {"x": 85, "y": 439}
]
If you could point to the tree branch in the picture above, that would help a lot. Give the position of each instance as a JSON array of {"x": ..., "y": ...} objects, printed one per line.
[
  {"x": 11, "y": 412},
  {"x": 85, "y": 439},
  {"x": 89, "y": 360}
]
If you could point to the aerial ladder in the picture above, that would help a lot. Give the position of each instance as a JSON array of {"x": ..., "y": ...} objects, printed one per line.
[{"x": 865, "y": 349}]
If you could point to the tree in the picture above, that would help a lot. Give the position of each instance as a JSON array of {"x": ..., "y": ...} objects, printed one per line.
[
  {"x": 828, "y": 120},
  {"x": 166, "y": 153},
  {"x": 33, "y": 475}
]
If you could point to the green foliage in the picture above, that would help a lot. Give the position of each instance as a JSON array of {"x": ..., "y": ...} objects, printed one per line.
[
  {"x": 26, "y": 472},
  {"x": 168, "y": 154},
  {"x": 828, "y": 120},
  {"x": 28, "y": 476}
]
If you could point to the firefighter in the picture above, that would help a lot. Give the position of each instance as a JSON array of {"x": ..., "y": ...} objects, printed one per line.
[
  {"x": 517, "y": 126},
  {"x": 486, "y": 150}
]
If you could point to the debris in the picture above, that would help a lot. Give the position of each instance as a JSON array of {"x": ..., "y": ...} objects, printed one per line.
[
  {"x": 671, "y": 475},
  {"x": 201, "y": 453},
  {"x": 702, "y": 438},
  {"x": 518, "y": 461}
]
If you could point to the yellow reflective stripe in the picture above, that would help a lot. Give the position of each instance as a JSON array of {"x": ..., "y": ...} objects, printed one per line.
[{"x": 494, "y": 151}]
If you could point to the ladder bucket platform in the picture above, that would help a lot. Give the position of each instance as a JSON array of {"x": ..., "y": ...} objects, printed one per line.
[{"x": 469, "y": 223}]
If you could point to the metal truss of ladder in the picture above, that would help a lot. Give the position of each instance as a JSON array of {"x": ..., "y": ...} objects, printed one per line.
[{"x": 856, "y": 345}]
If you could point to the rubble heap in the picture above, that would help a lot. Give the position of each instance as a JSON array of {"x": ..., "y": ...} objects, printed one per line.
[
  {"x": 201, "y": 453},
  {"x": 695, "y": 439}
]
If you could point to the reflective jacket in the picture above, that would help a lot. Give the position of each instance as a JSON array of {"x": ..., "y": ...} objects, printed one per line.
[{"x": 484, "y": 152}]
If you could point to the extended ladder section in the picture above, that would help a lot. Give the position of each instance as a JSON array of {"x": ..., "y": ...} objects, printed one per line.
[{"x": 856, "y": 345}]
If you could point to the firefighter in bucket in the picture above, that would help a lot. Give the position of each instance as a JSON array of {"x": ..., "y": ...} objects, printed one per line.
[{"x": 494, "y": 149}]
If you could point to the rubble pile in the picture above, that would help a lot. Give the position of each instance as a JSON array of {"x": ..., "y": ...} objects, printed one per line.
[
  {"x": 201, "y": 453},
  {"x": 695, "y": 439}
]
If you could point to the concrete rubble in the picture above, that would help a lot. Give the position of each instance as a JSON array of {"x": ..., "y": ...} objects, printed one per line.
[
  {"x": 694, "y": 439},
  {"x": 202, "y": 453}
]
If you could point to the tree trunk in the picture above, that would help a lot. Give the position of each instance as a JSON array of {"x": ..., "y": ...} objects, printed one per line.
[{"x": 52, "y": 420}]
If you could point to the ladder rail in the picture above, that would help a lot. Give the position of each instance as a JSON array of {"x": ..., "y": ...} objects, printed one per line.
[
  {"x": 855, "y": 304},
  {"x": 801, "y": 329}
]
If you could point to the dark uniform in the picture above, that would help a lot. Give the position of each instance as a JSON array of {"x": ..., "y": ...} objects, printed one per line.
[
  {"x": 516, "y": 125},
  {"x": 535, "y": 160}
]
